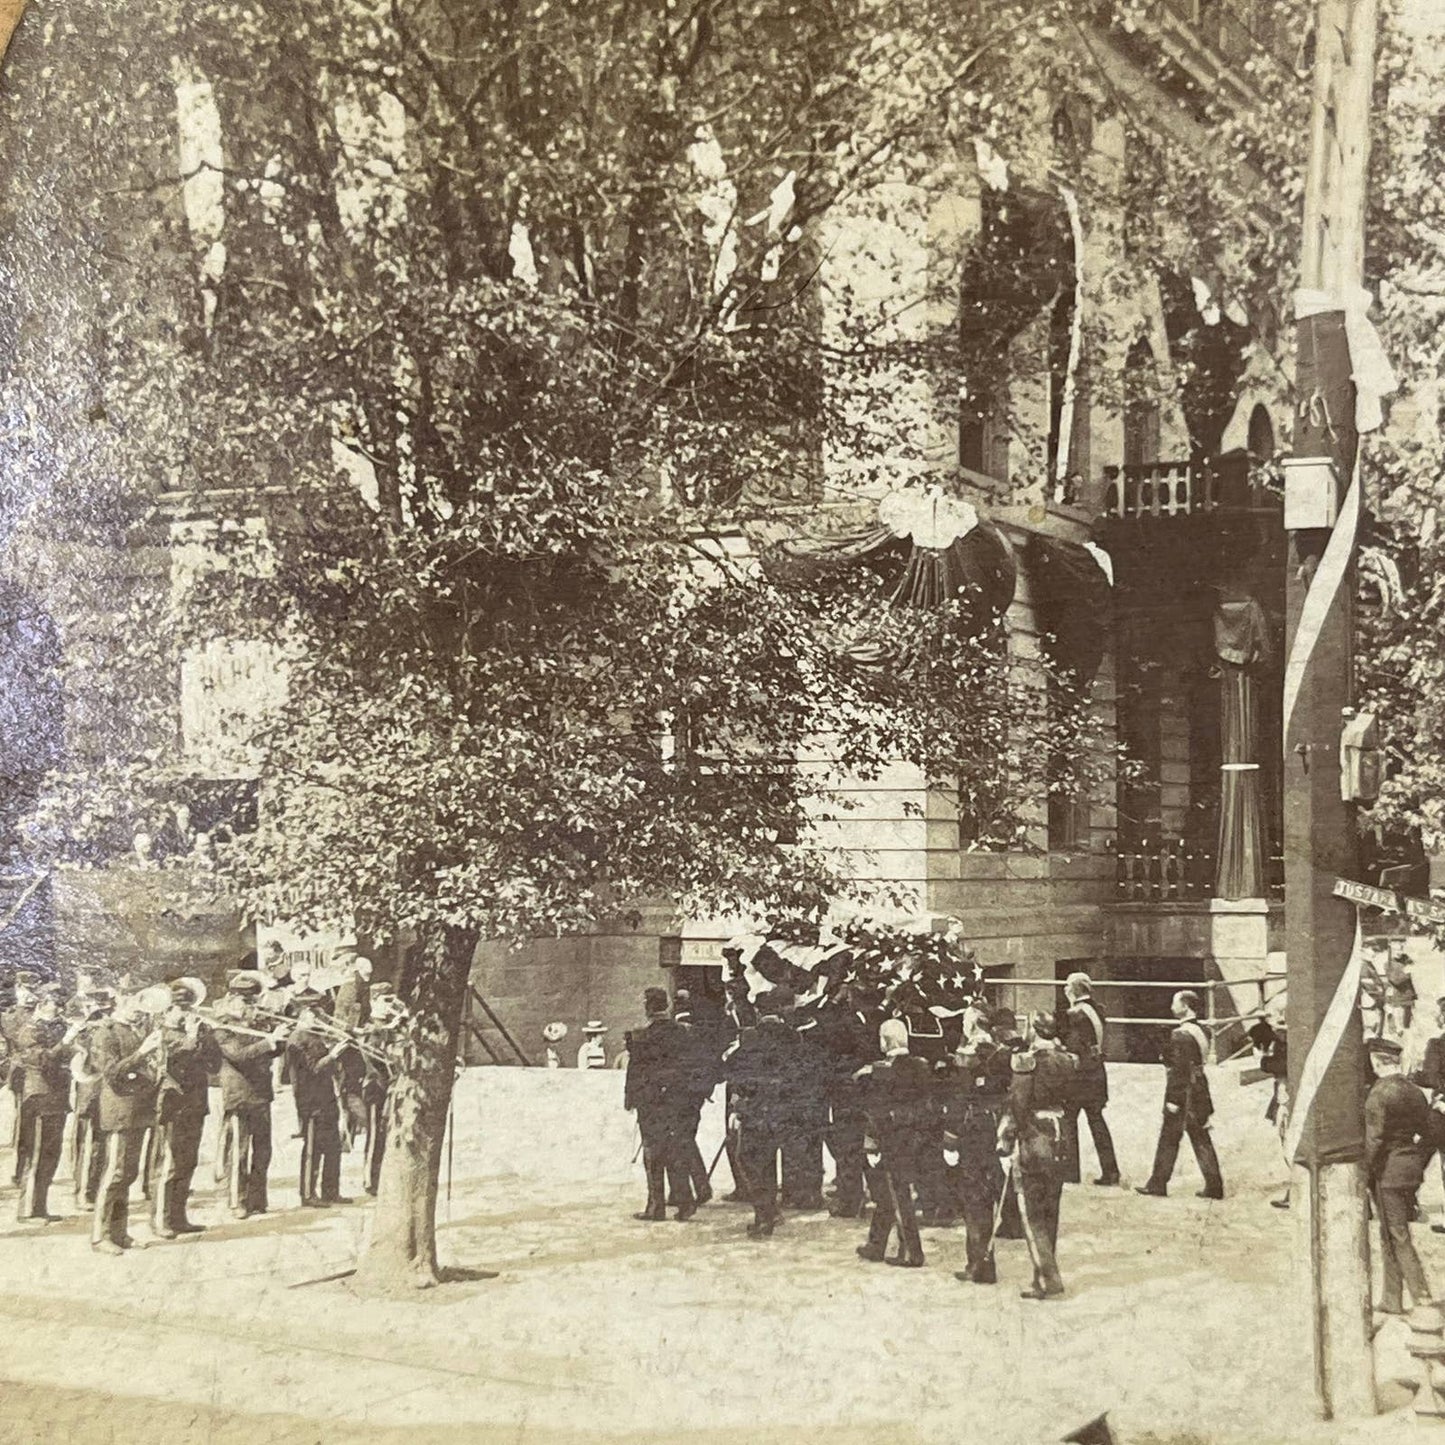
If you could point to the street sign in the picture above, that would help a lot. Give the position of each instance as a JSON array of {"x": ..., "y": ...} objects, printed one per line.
[{"x": 1423, "y": 909}]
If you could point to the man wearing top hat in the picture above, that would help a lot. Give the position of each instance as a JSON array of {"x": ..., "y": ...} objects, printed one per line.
[
  {"x": 42, "y": 1049},
  {"x": 247, "y": 1052},
  {"x": 593, "y": 1052},
  {"x": 123, "y": 1052},
  {"x": 190, "y": 1055},
  {"x": 1397, "y": 1146}
]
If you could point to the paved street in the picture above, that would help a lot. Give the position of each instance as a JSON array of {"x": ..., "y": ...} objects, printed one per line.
[{"x": 600, "y": 1327}]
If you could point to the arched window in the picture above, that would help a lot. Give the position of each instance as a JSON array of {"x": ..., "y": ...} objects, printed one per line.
[
  {"x": 1261, "y": 442},
  {"x": 1141, "y": 406}
]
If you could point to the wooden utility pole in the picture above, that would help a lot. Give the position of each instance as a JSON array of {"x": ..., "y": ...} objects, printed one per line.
[{"x": 1320, "y": 842}]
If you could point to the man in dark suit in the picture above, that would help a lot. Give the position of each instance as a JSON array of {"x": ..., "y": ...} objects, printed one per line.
[
  {"x": 898, "y": 1102},
  {"x": 1397, "y": 1144},
  {"x": 1041, "y": 1090},
  {"x": 762, "y": 1069},
  {"x": 1084, "y": 1038},
  {"x": 661, "y": 1087},
  {"x": 976, "y": 1086},
  {"x": 247, "y": 1055},
  {"x": 190, "y": 1057},
  {"x": 42, "y": 1050},
  {"x": 1188, "y": 1104}
]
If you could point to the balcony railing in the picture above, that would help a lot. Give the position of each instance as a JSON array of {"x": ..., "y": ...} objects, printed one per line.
[
  {"x": 1174, "y": 871},
  {"x": 1187, "y": 489}
]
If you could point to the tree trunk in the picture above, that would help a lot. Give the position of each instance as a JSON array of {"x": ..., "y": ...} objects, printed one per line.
[{"x": 400, "y": 1250}]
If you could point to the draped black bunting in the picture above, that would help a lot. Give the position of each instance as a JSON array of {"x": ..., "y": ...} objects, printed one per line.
[{"x": 1073, "y": 605}]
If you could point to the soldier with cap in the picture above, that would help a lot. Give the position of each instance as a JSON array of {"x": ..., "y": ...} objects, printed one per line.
[
  {"x": 313, "y": 1057},
  {"x": 1397, "y": 1146},
  {"x": 1084, "y": 1038},
  {"x": 247, "y": 1053},
  {"x": 1188, "y": 1104},
  {"x": 189, "y": 1056},
  {"x": 593, "y": 1052},
  {"x": 42, "y": 1051},
  {"x": 898, "y": 1105},
  {"x": 659, "y": 1081},
  {"x": 124, "y": 1052},
  {"x": 1041, "y": 1089}
]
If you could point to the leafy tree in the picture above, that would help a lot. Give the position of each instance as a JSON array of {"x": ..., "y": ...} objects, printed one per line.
[{"x": 556, "y": 287}]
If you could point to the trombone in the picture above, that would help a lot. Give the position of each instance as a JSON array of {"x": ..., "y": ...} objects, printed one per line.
[{"x": 327, "y": 1029}]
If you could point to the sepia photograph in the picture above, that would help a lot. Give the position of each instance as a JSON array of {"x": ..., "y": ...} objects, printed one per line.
[{"x": 722, "y": 722}]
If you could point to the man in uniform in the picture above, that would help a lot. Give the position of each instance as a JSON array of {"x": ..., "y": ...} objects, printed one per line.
[
  {"x": 386, "y": 1018},
  {"x": 845, "y": 1041},
  {"x": 660, "y": 1078},
  {"x": 898, "y": 1105},
  {"x": 313, "y": 1059},
  {"x": 42, "y": 1051},
  {"x": 1188, "y": 1104},
  {"x": 247, "y": 1053},
  {"x": 123, "y": 1052},
  {"x": 1084, "y": 1038},
  {"x": 15, "y": 1018},
  {"x": 761, "y": 1069},
  {"x": 976, "y": 1094},
  {"x": 352, "y": 1011},
  {"x": 1041, "y": 1090},
  {"x": 87, "y": 1151},
  {"x": 1397, "y": 1145},
  {"x": 189, "y": 1056},
  {"x": 706, "y": 1055}
]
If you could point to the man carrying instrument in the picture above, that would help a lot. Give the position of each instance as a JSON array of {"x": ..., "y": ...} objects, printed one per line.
[
  {"x": 313, "y": 1058},
  {"x": 123, "y": 1052},
  {"x": 42, "y": 1050},
  {"x": 247, "y": 1052},
  {"x": 189, "y": 1056},
  {"x": 87, "y": 1150}
]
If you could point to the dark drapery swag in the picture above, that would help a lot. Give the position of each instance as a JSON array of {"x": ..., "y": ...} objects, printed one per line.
[
  {"x": 1073, "y": 602},
  {"x": 975, "y": 568},
  {"x": 1241, "y": 644}
]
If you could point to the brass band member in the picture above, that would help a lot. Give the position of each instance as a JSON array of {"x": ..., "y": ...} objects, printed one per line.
[
  {"x": 15, "y": 1018},
  {"x": 246, "y": 1094},
  {"x": 313, "y": 1057},
  {"x": 123, "y": 1051},
  {"x": 42, "y": 1051},
  {"x": 87, "y": 1149},
  {"x": 190, "y": 1055},
  {"x": 386, "y": 1017}
]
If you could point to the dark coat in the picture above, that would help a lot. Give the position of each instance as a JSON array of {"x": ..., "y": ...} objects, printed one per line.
[
  {"x": 1084, "y": 1038},
  {"x": 44, "y": 1063},
  {"x": 764, "y": 1070},
  {"x": 128, "y": 1078},
  {"x": 899, "y": 1098},
  {"x": 12, "y": 1021},
  {"x": 1430, "y": 1076},
  {"x": 245, "y": 1065},
  {"x": 314, "y": 1072},
  {"x": 189, "y": 1063},
  {"x": 1041, "y": 1079},
  {"x": 1397, "y": 1133},
  {"x": 1185, "y": 1082},
  {"x": 662, "y": 1068}
]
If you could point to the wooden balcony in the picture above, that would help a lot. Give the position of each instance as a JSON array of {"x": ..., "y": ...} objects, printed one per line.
[{"x": 1189, "y": 489}]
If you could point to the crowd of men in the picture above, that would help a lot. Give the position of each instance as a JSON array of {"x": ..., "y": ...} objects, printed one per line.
[
  {"x": 121, "y": 1075},
  {"x": 975, "y": 1123}
]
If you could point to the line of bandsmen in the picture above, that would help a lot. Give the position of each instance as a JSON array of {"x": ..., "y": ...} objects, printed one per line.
[
  {"x": 121, "y": 1073},
  {"x": 930, "y": 1132}
]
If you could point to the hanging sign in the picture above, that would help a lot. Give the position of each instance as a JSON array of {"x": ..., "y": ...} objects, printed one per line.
[{"x": 1423, "y": 909}]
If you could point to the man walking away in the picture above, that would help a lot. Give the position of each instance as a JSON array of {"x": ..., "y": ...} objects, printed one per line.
[
  {"x": 1188, "y": 1104},
  {"x": 1397, "y": 1144},
  {"x": 1040, "y": 1093},
  {"x": 660, "y": 1073},
  {"x": 898, "y": 1104},
  {"x": 979, "y": 1086},
  {"x": 1084, "y": 1038},
  {"x": 762, "y": 1068}
]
